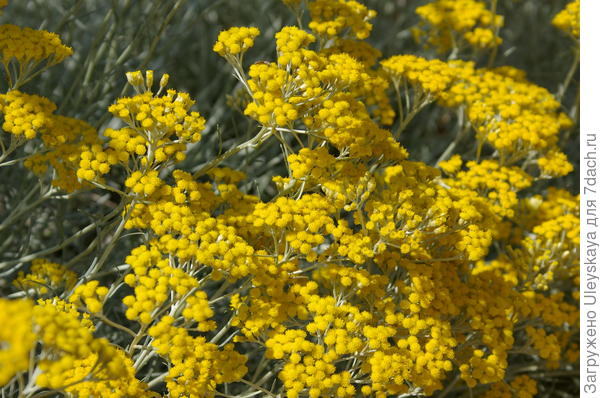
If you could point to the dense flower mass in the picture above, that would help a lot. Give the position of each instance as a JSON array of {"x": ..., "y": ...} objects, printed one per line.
[
  {"x": 331, "y": 18},
  {"x": 235, "y": 41},
  {"x": 453, "y": 24},
  {"x": 24, "y": 52},
  {"x": 568, "y": 19},
  {"x": 158, "y": 129},
  {"x": 24, "y": 114},
  {"x": 27, "y": 45},
  {"x": 46, "y": 277},
  {"x": 361, "y": 272},
  {"x": 518, "y": 118},
  {"x": 16, "y": 338}
]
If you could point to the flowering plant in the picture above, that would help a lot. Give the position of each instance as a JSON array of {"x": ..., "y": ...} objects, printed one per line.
[{"x": 344, "y": 266}]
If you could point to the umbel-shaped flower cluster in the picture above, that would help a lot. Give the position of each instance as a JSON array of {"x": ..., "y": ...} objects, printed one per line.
[{"x": 367, "y": 274}]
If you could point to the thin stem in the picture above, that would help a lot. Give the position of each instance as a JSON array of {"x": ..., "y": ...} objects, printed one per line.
[
  {"x": 494, "y": 53},
  {"x": 136, "y": 339},
  {"x": 420, "y": 102},
  {"x": 115, "y": 325},
  {"x": 113, "y": 241},
  {"x": 269, "y": 393},
  {"x": 398, "y": 99},
  {"x": 157, "y": 380},
  {"x": 55, "y": 248},
  {"x": 258, "y": 139},
  {"x": 565, "y": 84},
  {"x": 449, "y": 387},
  {"x": 22, "y": 207},
  {"x": 461, "y": 132}
]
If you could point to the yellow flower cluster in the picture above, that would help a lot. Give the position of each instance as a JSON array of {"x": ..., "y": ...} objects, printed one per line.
[
  {"x": 198, "y": 309},
  {"x": 372, "y": 91},
  {"x": 553, "y": 248},
  {"x": 104, "y": 383},
  {"x": 25, "y": 52},
  {"x": 235, "y": 41},
  {"x": 289, "y": 40},
  {"x": 16, "y": 337},
  {"x": 524, "y": 386},
  {"x": 46, "y": 277},
  {"x": 330, "y": 18},
  {"x": 89, "y": 295},
  {"x": 144, "y": 185},
  {"x": 154, "y": 281},
  {"x": 159, "y": 127},
  {"x": 160, "y": 119},
  {"x": 554, "y": 164},
  {"x": 488, "y": 303},
  {"x": 432, "y": 77},
  {"x": 269, "y": 106},
  {"x": 196, "y": 366},
  {"x": 485, "y": 186},
  {"x": 308, "y": 215},
  {"x": 366, "y": 274},
  {"x": 554, "y": 310},
  {"x": 539, "y": 209},
  {"x": 24, "y": 114},
  {"x": 269, "y": 303},
  {"x": 362, "y": 51},
  {"x": 545, "y": 344},
  {"x": 347, "y": 282},
  {"x": 568, "y": 19},
  {"x": 346, "y": 124},
  {"x": 454, "y": 24},
  {"x": 309, "y": 366},
  {"x": 211, "y": 242},
  {"x": 345, "y": 330},
  {"x": 345, "y": 183},
  {"x": 527, "y": 269},
  {"x": 490, "y": 180},
  {"x": 332, "y": 94},
  {"x": 27, "y": 45},
  {"x": 71, "y": 357},
  {"x": 545, "y": 243},
  {"x": 65, "y": 139},
  {"x": 95, "y": 162},
  {"x": 67, "y": 338},
  {"x": 513, "y": 115}
]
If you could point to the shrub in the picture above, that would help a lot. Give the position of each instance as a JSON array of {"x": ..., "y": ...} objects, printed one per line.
[{"x": 342, "y": 245}]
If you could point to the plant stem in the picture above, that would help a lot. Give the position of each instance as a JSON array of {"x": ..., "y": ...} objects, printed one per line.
[
  {"x": 257, "y": 140},
  {"x": 565, "y": 84}
]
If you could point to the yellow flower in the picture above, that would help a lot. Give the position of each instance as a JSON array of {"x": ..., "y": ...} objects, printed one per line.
[
  {"x": 30, "y": 49},
  {"x": 567, "y": 20},
  {"x": 16, "y": 337},
  {"x": 453, "y": 24},
  {"x": 46, "y": 277},
  {"x": 235, "y": 41},
  {"x": 25, "y": 115}
]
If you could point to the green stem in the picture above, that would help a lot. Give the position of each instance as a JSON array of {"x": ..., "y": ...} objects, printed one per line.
[
  {"x": 113, "y": 241},
  {"x": 461, "y": 132},
  {"x": 59, "y": 246},
  {"x": 115, "y": 325},
  {"x": 496, "y": 30},
  {"x": 257, "y": 140},
  {"x": 565, "y": 84}
]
